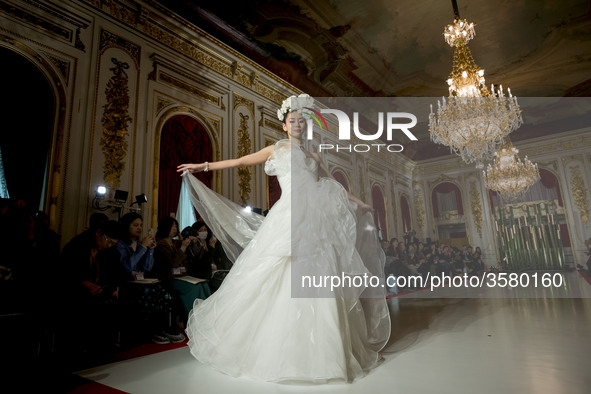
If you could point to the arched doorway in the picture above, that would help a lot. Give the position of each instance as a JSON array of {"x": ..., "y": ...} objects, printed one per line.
[
  {"x": 183, "y": 140},
  {"x": 448, "y": 212},
  {"x": 28, "y": 112},
  {"x": 379, "y": 207},
  {"x": 405, "y": 214}
]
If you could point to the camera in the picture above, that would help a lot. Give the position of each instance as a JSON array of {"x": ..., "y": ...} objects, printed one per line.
[{"x": 189, "y": 232}]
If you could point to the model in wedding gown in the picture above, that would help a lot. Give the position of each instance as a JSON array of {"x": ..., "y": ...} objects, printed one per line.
[{"x": 263, "y": 323}]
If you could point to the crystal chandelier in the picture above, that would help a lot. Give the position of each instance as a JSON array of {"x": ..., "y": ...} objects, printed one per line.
[
  {"x": 509, "y": 176},
  {"x": 473, "y": 121}
]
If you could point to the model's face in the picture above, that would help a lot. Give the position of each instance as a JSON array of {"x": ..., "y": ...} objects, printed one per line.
[
  {"x": 136, "y": 228},
  {"x": 295, "y": 125}
]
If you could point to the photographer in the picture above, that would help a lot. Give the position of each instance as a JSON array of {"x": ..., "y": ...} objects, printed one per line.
[{"x": 410, "y": 239}]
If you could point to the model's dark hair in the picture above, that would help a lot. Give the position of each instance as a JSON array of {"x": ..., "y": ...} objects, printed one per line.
[{"x": 164, "y": 227}]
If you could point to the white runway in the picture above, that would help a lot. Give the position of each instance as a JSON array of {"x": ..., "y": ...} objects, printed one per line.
[{"x": 438, "y": 345}]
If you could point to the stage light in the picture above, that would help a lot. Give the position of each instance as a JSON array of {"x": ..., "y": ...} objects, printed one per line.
[
  {"x": 120, "y": 196},
  {"x": 140, "y": 199},
  {"x": 100, "y": 191}
]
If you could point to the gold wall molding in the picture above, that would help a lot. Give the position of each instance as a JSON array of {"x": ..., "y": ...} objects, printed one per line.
[
  {"x": 580, "y": 193},
  {"x": 115, "y": 121},
  {"x": 162, "y": 103},
  {"x": 552, "y": 145},
  {"x": 60, "y": 14},
  {"x": 553, "y": 164},
  {"x": 394, "y": 209},
  {"x": 402, "y": 182},
  {"x": 269, "y": 120},
  {"x": 191, "y": 89},
  {"x": 476, "y": 207},
  {"x": 151, "y": 24},
  {"x": 420, "y": 211},
  {"x": 409, "y": 201},
  {"x": 110, "y": 40},
  {"x": 47, "y": 26},
  {"x": 62, "y": 65},
  {"x": 240, "y": 100},
  {"x": 244, "y": 148},
  {"x": 360, "y": 179},
  {"x": 245, "y": 144},
  {"x": 273, "y": 126},
  {"x": 444, "y": 178},
  {"x": 449, "y": 217},
  {"x": 568, "y": 159}
]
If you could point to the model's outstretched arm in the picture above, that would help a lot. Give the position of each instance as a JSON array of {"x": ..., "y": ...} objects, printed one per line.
[
  {"x": 363, "y": 206},
  {"x": 254, "y": 158}
]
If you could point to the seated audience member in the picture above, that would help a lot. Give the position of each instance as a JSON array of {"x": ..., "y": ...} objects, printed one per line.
[
  {"x": 477, "y": 265},
  {"x": 399, "y": 266},
  {"x": 199, "y": 254},
  {"x": 213, "y": 251},
  {"x": 93, "y": 272},
  {"x": 170, "y": 255},
  {"x": 392, "y": 248},
  {"x": 148, "y": 306},
  {"x": 443, "y": 260},
  {"x": 136, "y": 255},
  {"x": 96, "y": 219},
  {"x": 385, "y": 245},
  {"x": 169, "y": 252}
]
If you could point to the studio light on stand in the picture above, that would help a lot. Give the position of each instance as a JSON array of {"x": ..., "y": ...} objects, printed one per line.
[
  {"x": 120, "y": 198},
  {"x": 139, "y": 200},
  {"x": 99, "y": 195}
]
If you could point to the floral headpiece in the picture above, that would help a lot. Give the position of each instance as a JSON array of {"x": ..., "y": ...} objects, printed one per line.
[{"x": 295, "y": 103}]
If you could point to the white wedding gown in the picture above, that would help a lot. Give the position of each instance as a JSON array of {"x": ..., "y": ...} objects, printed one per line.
[{"x": 257, "y": 325}]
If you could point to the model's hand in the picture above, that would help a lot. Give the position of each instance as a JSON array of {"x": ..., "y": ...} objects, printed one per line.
[{"x": 186, "y": 168}]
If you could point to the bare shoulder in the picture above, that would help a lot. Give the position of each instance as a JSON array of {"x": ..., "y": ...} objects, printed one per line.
[{"x": 268, "y": 149}]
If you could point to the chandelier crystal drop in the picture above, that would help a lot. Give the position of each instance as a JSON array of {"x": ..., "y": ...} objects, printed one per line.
[
  {"x": 474, "y": 121},
  {"x": 509, "y": 176}
]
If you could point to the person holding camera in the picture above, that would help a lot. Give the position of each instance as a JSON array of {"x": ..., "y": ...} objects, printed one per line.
[
  {"x": 200, "y": 252},
  {"x": 206, "y": 258},
  {"x": 170, "y": 265}
]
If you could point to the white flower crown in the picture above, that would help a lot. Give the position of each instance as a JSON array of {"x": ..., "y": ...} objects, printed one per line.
[{"x": 295, "y": 103}]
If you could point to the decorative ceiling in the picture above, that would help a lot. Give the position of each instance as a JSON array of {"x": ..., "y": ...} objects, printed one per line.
[{"x": 393, "y": 48}]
